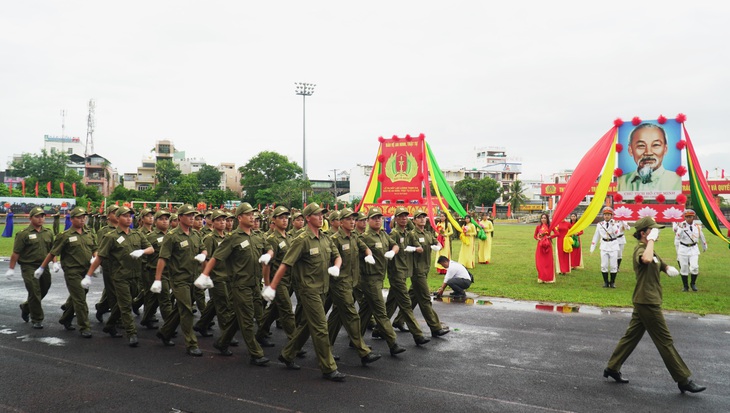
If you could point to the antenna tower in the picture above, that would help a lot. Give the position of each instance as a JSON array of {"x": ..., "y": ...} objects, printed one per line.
[{"x": 89, "y": 150}]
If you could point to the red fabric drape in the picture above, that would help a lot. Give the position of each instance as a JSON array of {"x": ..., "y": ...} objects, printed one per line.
[{"x": 584, "y": 176}]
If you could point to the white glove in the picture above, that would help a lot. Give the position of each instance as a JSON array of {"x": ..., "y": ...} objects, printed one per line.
[
  {"x": 203, "y": 282},
  {"x": 200, "y": 257},
  {"x": 671, "y": 271},
  {"x": 86, "y": 282},
  {"x": 56, "y": 266},
  {"x": 268, "y": 294},
  {"x": 136, "y": 253},
  {"x": 334, "y": 271},
  {"x": 409, "y": 249},
  {"x": 39, "y": 272},
  {"x": 593, "y": 247},
  {"x": 264, "y": 259},
  {"x": 156, "y": 287},
  {"x": 370, "y": 259},
  {"x": 92, "y": 260},
  {"x": 9, "y": 273},
  {"x": 653, "y": 234},
  {"x": 389, "y": 255},
  {"x": 436, "y": 247}
]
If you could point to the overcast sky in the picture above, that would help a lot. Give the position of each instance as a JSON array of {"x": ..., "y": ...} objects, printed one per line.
[{"x": 543, "y": 79}]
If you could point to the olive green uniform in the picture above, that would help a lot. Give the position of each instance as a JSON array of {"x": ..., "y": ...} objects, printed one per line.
[
  {"x": 281, "y": 307},
  {"x": 241, "y": 252},
  {"x": 400, "y": 268},
  {"x": 198, "y": 295},
  {"x": 76, "y": 250},
  {"x": 647, "y": 316},
  {"x": 117, "y": 245},
  {"x": 371, "y": 283},
  {"x": 108, "y": 298},
  {"x": 309, "y": 257},
  {"x": 350, "y": 248},
  {"x": 179, "y": 249},
  {"x": 32, "y": 247},
  {"x": 220, "y": 296},
  {"x": 151, "y": 300},
  {"x": 419, "y": 292}
]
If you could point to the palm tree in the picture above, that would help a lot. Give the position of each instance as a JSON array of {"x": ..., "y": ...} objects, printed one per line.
[{"x": 515, "y": 196}]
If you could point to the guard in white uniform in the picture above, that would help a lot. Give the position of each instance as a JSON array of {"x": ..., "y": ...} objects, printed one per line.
[
  {"x": 608, "y": 231},
  {"x": 622, "y": 226},
  {"x": 688, "y": 238}
]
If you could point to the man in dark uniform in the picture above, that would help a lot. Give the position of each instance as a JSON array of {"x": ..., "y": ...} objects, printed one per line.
[
  {"x": 30, "y": 248},
  {"x": 108, "y": 298},
  {"x": 181, "y": 252},
  {"x": 343, "y": 312},
  {"x": 312, "y": 256},
  {"x": 76, "y": 247},
  {"x": 124, "y": 246},
  {"x": 297, "y": 224},
  {"x": 400, "y": 269},
  {"x": 647, "y": 315},
  {"x": 371, "y": 283},
  {"x": 243, "y": 253}
]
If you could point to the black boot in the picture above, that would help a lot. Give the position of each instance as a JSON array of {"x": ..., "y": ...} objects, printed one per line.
[
  {"x": 605, "y": 279},
  {"x": 618, "y": 267},
  {"x": 612, "y": 284},
  {"x": 684, "y": 282},
  {"x": 694, "y": 280}
]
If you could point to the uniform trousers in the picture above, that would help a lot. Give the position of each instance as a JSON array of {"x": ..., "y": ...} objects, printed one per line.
[
  {"x": 76, "y": 303},
  {"x": 183, "y": 317},
  {"x": 281, "y": 309},
  {"x": 242, "y": 297},
  {"x": 123, "y": 289},
  {"x": 399, "y": 298},
  {"x": 37, "y": 289},
  {"x": 372, "y": 289},
  {"x": 314, "y": 325},
  {"x": 344, "y": 314},
  {"x": 421, "y": 297}
]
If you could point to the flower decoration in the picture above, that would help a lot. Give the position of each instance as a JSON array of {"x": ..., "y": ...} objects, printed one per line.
[
  {"x": 673, "y": 214},
  {"x": 619, "y": 148},
  {"x": 623, "y": 212},
  {"x": 638, "y": 199},
  {"x": 681, "y": 144},
  {"x": 381, "y": 139},
  {"x": 681, "y": 199},
  {"x": 618, "y": 172},
  {"x": 681, "y": 170},
  {"x": 661, "y": 198},
  {"x": 618, "y": 122},
  {"x": 409, "y": 138},
  {"x": 381, "y": 177},
  {"x": 618, "y": 198},
  {"x": 661, "y": 119},
  {"x": 647, "y": 212},
  {"x": 681, "y": 118},
  {"x": 636, "y": 121}
]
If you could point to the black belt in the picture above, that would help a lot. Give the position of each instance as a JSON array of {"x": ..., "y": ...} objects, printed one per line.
[
  {"x": 609, "y": 239},
  {"x": 689, "y": 245},
  {"x": 620, "y": 236}
]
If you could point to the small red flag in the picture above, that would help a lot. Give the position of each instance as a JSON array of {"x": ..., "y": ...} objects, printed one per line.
[
  {"x": 157, "y": 206},
  {"x": 116, "y": 203},
  {"x": 61, "y": 185},
  {"x": 48, "y": 188},
  {"x": 73, "y": 186},
  {"x": 36, "y": 189},
  {"x": 88, "y": 205},
  {"x": 169, "y": 206},
  {"x": 10, "y": 187},
  {"x": 144, "y": 205},
  {"x": 22, "y": 184}
]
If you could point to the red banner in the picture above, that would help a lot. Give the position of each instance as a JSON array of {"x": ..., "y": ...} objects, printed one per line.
[
  {"x": 402, "y": 178},
  {"x": 717, "y": 187},
  {"x": 660, "y": 212}
]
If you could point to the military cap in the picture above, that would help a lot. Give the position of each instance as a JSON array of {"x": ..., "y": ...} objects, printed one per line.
[
  {"x": 401, "y": 210},
  {"x": 280, "y": 210},
  {"x": 78, "y": 211},
  {"x": 244, "y": 208},
  {"x": 144, "y": 211},
  {"x": 646, "y": 222},
  {"x": 419, "y": 212},
  {"x": 334, "y": 216},
  {"x": 296, "y": 215},
  {"x": 312, "y": 209},
  {"x": 123, "y": 210},
  {"x": 37, "y": 211},
  {"x": 186, "y": 210},
  {"x": 689, "y": 213},
  {"x": 608, "y": 210},
  {"x": 163, "y": 212},
  {"x": 374, "y": 212},
  {"x": 198, "y": 213},
  {"x": 173, "y": 217},
  {"x": 361, "y": 216},
  {"x": 217, "y": 214},
  {"x": 209, "y": 212},
  {"x": 112, "y": 209},
  {"x": 347, "y": 212}
]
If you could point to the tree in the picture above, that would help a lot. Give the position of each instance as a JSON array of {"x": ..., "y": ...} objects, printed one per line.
[
  {"x": 264, "y": 171},
  {"x": 209, "y": 177},
  {"x": 187, "y": 190},
  {"x": 44, "y": 167},
  {"x": 168, "y": 176},
  {"x": 515, "y": 197},
  {"x": 477, "y": 191}
]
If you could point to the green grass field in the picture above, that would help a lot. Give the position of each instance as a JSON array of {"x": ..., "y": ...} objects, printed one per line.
[{"x": 512, "y": 274}]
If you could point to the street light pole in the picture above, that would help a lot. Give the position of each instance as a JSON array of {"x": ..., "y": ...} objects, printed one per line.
[{"x": 304, "y": 90}]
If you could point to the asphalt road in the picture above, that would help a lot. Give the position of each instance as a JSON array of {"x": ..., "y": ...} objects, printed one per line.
[{"x": 501, "y": 356}]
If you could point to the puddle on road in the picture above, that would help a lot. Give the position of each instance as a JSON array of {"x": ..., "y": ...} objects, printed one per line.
[
  {"x": 51, "y": 341},
  {"x": 525, "y": 306}
]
